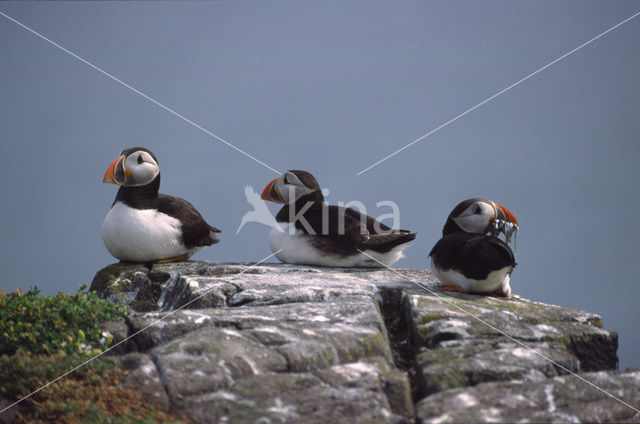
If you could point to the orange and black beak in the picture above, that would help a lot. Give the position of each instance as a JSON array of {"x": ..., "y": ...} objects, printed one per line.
[
  {"x": 116, "y": 173},
  {"x": 504, "y": 222},
  {"x": 271, "y": 192},
  {"x": 505, "y": 214}
]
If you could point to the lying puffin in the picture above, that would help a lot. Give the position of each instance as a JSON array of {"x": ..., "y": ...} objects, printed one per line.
[
  {"x": 470, "y": 258},
  {"x": 144, "y": 226},
  {"x": 310, "y": 232}
]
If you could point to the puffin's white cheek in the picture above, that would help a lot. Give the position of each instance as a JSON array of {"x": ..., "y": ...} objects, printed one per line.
[
  {"x": 287, "y": 192},
  {"x": 149, "y": 172},
  {"x": 472, "y": 223},
  {"x": 143, "y": 174}
]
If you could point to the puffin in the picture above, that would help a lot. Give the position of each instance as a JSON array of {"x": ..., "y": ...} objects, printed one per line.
[
  {"x": 311, "y": 232},
  {"x": 470, "y": 257},
  {"x": 144, "y": 226}
]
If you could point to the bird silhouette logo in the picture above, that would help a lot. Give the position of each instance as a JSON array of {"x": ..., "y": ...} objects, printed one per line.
[{"x": 260, "y": 212}]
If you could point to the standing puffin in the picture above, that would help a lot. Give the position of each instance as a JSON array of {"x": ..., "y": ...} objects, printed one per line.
[
  {"x": 144, "y": 226},
  {"x": 469, "y": 258},
  {"x": 311, "y": 232}
]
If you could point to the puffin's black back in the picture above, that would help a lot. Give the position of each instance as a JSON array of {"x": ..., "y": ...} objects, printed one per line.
[{"x": 473, "y": 255}]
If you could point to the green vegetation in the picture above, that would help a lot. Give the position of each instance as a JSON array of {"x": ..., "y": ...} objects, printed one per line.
[
  {"x": 46, "y": 324},
  {"x": 43, "y": 338}
]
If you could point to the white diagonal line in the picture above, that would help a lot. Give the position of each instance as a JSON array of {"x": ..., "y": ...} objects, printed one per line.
[
  {"x": 168, "y": 109},
  {"x": 135, "y": 334},
  {"x": 423, "y": 287},
  {"x": 497, "y": 94}
]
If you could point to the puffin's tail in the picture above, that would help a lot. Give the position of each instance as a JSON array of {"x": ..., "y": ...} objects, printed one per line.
[{"x": 213, "y": 238}]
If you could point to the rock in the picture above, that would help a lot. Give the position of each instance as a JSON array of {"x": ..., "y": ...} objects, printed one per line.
[
  {"x": 143, "y": 376},
  {"x": 121, "y": 283},
  {"x": 339, "y": 394},
  {"x": 305, "y": 333},
  {"x": 281, "y": 343},
  {"x": 235, "y": 344},
  {"x": 195, "y": 293},
  {"x": 118, "y": 331},
  {"x": 558, "y": 399},
  {"x": 210, "y": 284},
  {"x": 398, "y": 390},
  {"x": 464, "y": 340}
]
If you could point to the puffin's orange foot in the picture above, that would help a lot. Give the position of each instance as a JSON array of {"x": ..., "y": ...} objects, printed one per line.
[
  {"x": 453, "y": 289},
  {"x": 500, "y": 292},
  {"x": 179, "y": 258}
]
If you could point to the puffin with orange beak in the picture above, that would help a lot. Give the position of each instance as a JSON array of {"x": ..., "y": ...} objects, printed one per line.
[
  {"x": 311, "y": 232},
  {"x": 470, "y": 257},
  {"x": 147, "y": 227}
]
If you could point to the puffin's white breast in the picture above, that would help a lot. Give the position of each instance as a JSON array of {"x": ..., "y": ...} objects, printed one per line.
[
  {"x": 297, "y": 247},
  {"x": 141, "y": 235}
]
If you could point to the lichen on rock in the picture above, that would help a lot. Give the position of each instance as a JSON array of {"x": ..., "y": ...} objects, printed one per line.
[{"x": 240, "y": 343}]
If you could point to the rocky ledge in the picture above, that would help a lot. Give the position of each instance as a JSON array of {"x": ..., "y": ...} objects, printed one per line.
[{"x": 221, "y": 342}]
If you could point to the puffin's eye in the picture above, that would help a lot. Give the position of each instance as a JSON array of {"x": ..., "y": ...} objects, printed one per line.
[
  {"x": 477, "y": 210},
  {"x": 140, "y": 160},
  {"x": 285, "y": 179}
]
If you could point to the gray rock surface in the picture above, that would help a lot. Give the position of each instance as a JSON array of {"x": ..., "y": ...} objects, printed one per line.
[
  {"x": 559, "y": 399},
  {"x": 118, "y": 331},
  {"x": 144, "y": 377},
  {"x": 464, "y": 340},
  {"x": 281, "y": 343}
]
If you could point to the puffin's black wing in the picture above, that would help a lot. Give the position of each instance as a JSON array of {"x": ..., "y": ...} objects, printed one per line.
[
  {"x": 386, "y": 242},
  {"x": 348, "y": 227},
  {"x": 382, "y": 238},
  {"x": 475, "y": 256},
  {"x": 334, "y": 223},
  {"x": 363, "y": 228},
  {"x": 195, "y": 230},
  {"x": 372, "y": 225}
]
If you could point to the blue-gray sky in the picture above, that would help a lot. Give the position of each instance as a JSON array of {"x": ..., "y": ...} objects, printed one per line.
[{"x": 332, "y": 87}]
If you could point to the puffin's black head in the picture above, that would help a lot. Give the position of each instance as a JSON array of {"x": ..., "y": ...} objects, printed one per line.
[
  {"x": 480, "y": 216},
  {"x": 291, "y": 186},
  {"x": 136, "y": 166}
]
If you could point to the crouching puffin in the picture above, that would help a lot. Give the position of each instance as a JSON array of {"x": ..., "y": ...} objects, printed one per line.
[
  {"x": 147, "y": 227},
  {"x": 310, "y": 232},
  {"x": 470, "y": 258}
]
